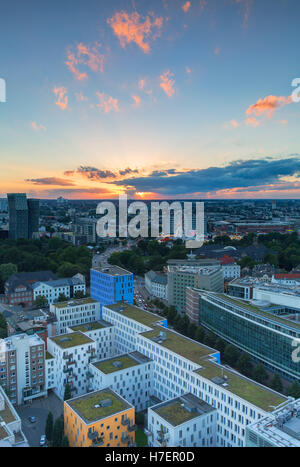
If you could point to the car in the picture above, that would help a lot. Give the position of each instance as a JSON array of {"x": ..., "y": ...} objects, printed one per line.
[
  {"x": 32, "y": 419},
  {"x": 43, "y": 440}
]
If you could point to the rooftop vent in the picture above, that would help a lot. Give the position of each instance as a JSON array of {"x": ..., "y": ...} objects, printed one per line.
[
  {"x": 118, "y": 364},
  {"x": 106, "y": 403},
  {"x": 64, "y": 339}
]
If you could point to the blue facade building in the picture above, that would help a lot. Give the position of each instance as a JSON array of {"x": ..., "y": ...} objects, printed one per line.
[{"x": 111, "y": 285}]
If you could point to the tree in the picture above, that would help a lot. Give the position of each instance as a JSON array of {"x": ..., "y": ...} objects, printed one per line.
[
  {"x": 244, "y": 364},
  {"x": 276, "y": 383},
  {"x": 7, "y": 270},
  {"x": 62, "y": 298},
  {"x": 259, "y": 374},
  {"x": 65, "y": 442},
  {"x": 67, "y": 394},
  {"x": 294, "y": 390},
  {"x": 40, "y": 301},
  {"x": 231, "y": 355},
  {"x": 79, "y": 294},
  {"x": 200, "y": 333},
  {"x": 49, "y": 427},
  {"x": 220, "y": 345},
  {"x": 58, "y": 431},
  {"x": 3, "y": 327}
]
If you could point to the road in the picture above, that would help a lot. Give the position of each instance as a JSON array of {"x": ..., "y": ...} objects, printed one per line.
[{"x": 39, "y": 409}]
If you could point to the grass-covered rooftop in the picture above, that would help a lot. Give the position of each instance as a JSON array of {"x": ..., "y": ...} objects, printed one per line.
[
  {"x": 72, "y": 339},
  {"x": 110, "y": 365},
  {"x": 135, "y": 313}
]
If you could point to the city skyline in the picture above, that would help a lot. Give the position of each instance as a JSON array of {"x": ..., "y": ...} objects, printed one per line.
[{"x": 181, "y": 99}]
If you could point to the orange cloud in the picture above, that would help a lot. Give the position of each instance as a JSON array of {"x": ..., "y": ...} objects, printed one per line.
[
  {"x": 252, "y": 121},
  {"x": 37, "y": 127},
  {"x": 132, "y": 28},
  {"x": 186, "y": 6},
  {"x": 167, "y": 83},
  {"x": 234, "y": 123},
  {"x": 188, "y": 70},
  {"x": 248, "y": 4},
  {"x": 268, "y": 105},
  {"x": 107, "y": 103},
  {"x": 137, "y": 100},
  {"x": 88, "y": 56},
  {"x": 62, "y": 98}
]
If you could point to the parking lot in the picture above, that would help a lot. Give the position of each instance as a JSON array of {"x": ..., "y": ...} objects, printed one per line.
[{"x": 38, "y": 409}]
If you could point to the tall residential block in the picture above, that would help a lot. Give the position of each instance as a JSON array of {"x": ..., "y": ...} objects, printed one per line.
[
  {"x": 111, "y": 285},
  {"x": 23, "y": 216}
]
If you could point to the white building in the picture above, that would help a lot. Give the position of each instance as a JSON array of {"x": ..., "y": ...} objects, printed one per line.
[
  {"x": 285, "y": 295},
  {"x": 72, "y": 354},
  {"x": 74, "y": 313},
  {"x": 231, "y": 270},
  {"x": 185, "y": 421},
  {"x": 22, "y": 367},
  {"x": 182, "y": 366},
  {"x": 130, "y": 375},
  {"x": 157, "y": 284},
  {"x": 11, "y": 434},
  {"x": 51, "y": 290},
  {"x": 102, "y": 333},
  {"x": 279, "y": 429}
]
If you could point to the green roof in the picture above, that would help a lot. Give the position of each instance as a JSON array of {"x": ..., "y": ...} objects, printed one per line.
[
  {"x": 107, "y": 366},
  {"x": 88, "y": 327},
  {"x": 243, "y": 387},
  {"x": 135, "y": 313},
  {"x": 75, "y": 302},
  {"x": 3, "y": 433},
  {"x": 175, "y": 413},
  {"x": 84, "y": 406},
  {"x": 48, "y": 355},
  {"x": 7, "y": 414},
  {"x": 71, "y": 340},
  {"x": 181, "y": 345}
]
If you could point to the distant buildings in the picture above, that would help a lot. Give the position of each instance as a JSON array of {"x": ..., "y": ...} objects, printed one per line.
[
  {"x": 51, "y": 290},
  {"x": 75, "y": 313},
  {"x": 84, "y": 231},
  {"x": 230, "y": 269},
  {"x": 23, "y": 216},
  {"x": 111, "y": 284},
  {"x": 157, "y": 284}
]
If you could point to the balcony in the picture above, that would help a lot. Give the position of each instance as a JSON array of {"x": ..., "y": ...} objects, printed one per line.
[
  {"x": 98, "y": 442},
  {"x": 132, "y": 428},
  {"x": 125, "y": 421},
  {"x": 71, "y": 362},
  {"x": 148, "y": 432},
  {"x": 125, "y": 439},
  {"x": 93, "y": 435}
]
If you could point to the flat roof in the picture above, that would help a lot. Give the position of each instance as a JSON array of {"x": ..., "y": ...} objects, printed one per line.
[
  {"x": 121, "y": 362},
  {"x": 93, "y": 326},
  {"x": 113, "y": 271},
  {"x": 75, "y": 302},
  {"x": 7, "y": 414},
  {"x": 89, "y": 409},
  {"x": 182, "y": 409},
  {"x": 71, "y": 339},
  {"x": 135, "y": 313},
  {"x": 3, "y": 432}
]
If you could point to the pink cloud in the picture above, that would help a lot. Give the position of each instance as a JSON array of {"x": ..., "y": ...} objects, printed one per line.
[
  {"x": 167, "y": 83},
  {"x": 37, "y": 127},
  {"x": 137, "y": 100},
  {"x": 107, "y": 103},
  {"x": 268, "y": 105},
  {"x": 88, "y": 56},
  {"x": 132, "y": 27},
  {"x": 186, "y": 6},
  {"x": 62, "y": 98}
]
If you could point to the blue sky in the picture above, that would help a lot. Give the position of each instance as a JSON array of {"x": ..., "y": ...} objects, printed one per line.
[{"x": 187, "y": 87}]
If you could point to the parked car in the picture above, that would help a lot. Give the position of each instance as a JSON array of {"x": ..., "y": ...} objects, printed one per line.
[
  {"x": 32, "y": 419},
  {"x": 43, "y": 440}
]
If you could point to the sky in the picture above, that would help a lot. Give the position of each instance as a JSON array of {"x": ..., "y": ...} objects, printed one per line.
[{"x": 154, "y": 99}]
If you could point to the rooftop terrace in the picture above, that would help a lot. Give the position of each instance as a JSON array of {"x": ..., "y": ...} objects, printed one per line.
[
  {"x": 114, "y": 364},
  {"x": 89, "y": 409},
  {"x": 78, "y": 302},
  {"x": 7, "y": 414},
  {"x": 3, "y": 433},
  {"x": 72, "y": 339},
  {"x": 91, "y": 326},
  {"x": 113, "y": 271},
  {"x": 135, "y": 313},
  {"x": 182, "y": 409}
]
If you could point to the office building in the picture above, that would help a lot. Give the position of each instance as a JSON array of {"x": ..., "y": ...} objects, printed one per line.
[
  {"x": 23, "y": 216},
  {"x": 74, "y": 313},
  {"x": 156, "y": 284},
  {"x": 99, "y": 419},
  {"x": 111, "y": 284},
  {"x": 51, "y": 290}
]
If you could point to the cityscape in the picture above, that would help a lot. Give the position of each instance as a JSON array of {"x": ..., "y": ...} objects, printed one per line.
[{"x": 150, "y": 227}]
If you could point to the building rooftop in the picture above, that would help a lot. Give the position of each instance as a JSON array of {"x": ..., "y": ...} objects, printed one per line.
[
  {"x": 75, "y": 302},
  {"x": 86, "y": 327},
  {"x": 90, "y": 409},
  {"x": 157, "y": 277},
  {"x": 182, "y": 409},
  {"x": 135, "y": 313},
  {"x": 113, "y": 271},
  {"x": 191, "y": 269},
  {"x": 7, "y": 414},
  {"x": 72, "y": 339},
  {"x": 121, "y": 362},
  {"x": 3, "y": 432}
]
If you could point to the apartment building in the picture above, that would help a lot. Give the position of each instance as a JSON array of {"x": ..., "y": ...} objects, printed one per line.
[
  {"x": 157, "y": 284},
  {"x": 51, "y": 290},
  {"x": 184, "y": 421},
  {"x": 99, "y": 419},
  {"x": 242, "y": 287},
  {"x": 180, "y": 277},
  {"x": 74, "y": 313},
  {"x": 72, "y": 353},
  {"x": 22, "y": 367},
  {"x": 129, "y": 375},
  {"x": 183, "y": 366},
  {"x": 111, "y": 285},
  {"x": 11, "y": 434},
  {"x": 102, "y": 333}
]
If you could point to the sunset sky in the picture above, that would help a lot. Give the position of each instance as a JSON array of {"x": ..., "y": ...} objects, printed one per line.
[{"x": 153, "y": 98}]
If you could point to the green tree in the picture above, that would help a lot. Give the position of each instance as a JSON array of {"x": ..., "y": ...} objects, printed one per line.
[
  {"x": 200, "y": 334},
  {"x": 49, "y": 427},
  {"x": 3, "y": 327},
  {"x": 231, "y": 355},
  {"x": 276, "y": 383},
  {"x": 220, "y": 345},
  {"x": 40, "y": 301},
  {"x": 294, "y": 390},
  {"x": 65, "y": 442},
  {"x": 259, "y": 374},
  {"x": 7, "y": 270},
  {"x": 244, "y": 364},
  {"x": 67, "y": 394},
  {"x": 79, "y": 294},
  {"x": 62, "y": 298},
  {"x": 58, "y": 432}
]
